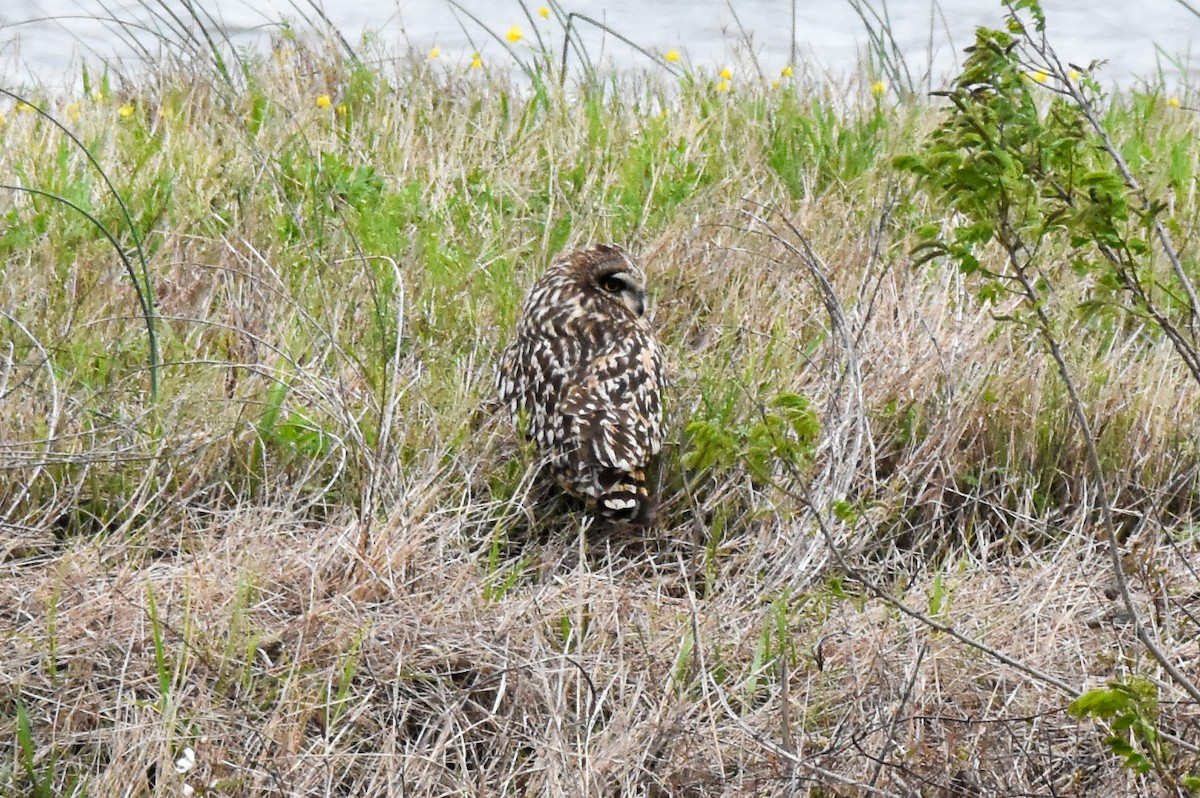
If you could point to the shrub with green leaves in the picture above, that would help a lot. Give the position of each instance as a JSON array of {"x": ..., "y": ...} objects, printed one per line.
[
  {"x": 784, "y": 431},
  {"x": 1130, "y": 708},
  {"x": 1023, "y": 165}
]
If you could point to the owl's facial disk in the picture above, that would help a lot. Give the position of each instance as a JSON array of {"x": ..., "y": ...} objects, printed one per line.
[{"x": 624, "y": 287}]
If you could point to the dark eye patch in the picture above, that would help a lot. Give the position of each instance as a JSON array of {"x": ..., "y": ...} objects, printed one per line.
[{"x": 612, "y": 284}]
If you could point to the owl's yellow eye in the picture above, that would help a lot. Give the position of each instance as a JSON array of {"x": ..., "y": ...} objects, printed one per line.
[{"x": 612, "y": 285}]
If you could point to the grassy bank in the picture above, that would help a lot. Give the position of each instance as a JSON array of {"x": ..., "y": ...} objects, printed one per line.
[{"x": 294, "y": 538}]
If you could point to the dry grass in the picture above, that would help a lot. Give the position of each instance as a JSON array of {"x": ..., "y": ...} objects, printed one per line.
[{"x": 322, "y": 565}]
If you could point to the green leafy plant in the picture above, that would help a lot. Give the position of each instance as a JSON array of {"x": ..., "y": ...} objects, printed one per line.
[
  {"x": 785, "y": 429},
  {"x": 1131, "y": 710},
  {"x": 292, "y": 432},
  {"x": 1024, "y": 160},
  {"x": 1019, "y": 172}
]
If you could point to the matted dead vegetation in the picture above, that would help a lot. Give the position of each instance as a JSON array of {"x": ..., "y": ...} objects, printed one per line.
[{"x": 320, "y": 564}]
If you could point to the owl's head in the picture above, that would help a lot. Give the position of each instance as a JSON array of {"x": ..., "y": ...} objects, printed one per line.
[{"x": 610, "y": 272}]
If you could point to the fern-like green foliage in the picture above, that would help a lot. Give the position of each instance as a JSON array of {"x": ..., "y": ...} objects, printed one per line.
[{"x": 784, "y": 430}]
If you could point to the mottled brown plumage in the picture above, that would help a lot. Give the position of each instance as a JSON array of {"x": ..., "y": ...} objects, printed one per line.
[{"x": 585, "y": 373}]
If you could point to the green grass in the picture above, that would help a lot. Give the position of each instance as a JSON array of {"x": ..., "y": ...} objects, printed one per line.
[{"x": 317, "y": 556}]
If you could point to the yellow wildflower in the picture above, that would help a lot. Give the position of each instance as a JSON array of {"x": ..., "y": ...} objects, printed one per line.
[
  {"x": 878, "y": 88},
  {"x": 73, "y": 111},
  {"x": 24, "y": 108},
  {"x": 726, "y": 74},
  {"x": 98, "y": 96},
  {"x": 324, "y": 101},
  {"x": 435, "y": 52},
  {"x": 671, "y": 55},
  {"x": 543, "y": 12},
  {"x": 723, "y": 86},
  {"x": 786, "y": 72},
  {"x": 1173, "y": 102},
  {"x": 3, "y": 121},
  {"x": 476, "y": 61},
  {"x": 775, "y": 83},
  {"x": 1040, "y": 76},
  {"x": 514, "y": 34},
  {"x": 341, "y": 109},
  {"x": 125, "y": 111},
  {"x": 1072, "y": 76}
]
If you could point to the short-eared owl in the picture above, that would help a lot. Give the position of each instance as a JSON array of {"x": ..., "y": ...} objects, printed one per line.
[{"x": 586, "y": 374}]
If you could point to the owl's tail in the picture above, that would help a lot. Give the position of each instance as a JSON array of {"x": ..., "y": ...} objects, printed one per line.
[{"x": 627, "y": 500}]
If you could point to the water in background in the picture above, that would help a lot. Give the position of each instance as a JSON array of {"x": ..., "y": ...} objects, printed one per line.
[{"x": 43, "y": 41}]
